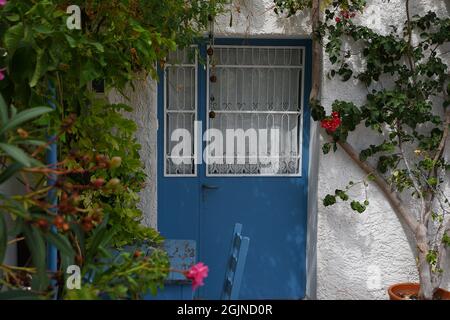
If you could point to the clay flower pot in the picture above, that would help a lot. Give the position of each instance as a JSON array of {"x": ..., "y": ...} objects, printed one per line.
[{"x": 410, "y": 291}]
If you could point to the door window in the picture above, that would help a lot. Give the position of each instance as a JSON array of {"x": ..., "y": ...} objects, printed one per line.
[
  {"x": 255, "y": 103},
  {"x": 253, "y": 111},
  {"x": 180, "y": 112}
]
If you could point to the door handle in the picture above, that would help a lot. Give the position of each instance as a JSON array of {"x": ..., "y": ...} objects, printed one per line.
[{"x": 209, "y": 187}]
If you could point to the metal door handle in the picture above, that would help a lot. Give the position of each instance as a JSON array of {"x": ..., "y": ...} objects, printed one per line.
[{"x": 209, "y": 187}]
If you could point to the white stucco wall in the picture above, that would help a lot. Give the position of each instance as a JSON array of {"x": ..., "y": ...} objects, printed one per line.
[
  {"x": 360, "y": 255},
  {"x": 352, "y": 250}
]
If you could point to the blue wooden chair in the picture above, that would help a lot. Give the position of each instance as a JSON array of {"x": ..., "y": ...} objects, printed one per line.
[{"x": 236, "y": 264}]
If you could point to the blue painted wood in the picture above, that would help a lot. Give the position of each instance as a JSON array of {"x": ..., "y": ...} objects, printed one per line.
[
  {"x": 273, "y": 209},
  {"x": 182, "y": 255},
  {"x": 236, "y": 264}
]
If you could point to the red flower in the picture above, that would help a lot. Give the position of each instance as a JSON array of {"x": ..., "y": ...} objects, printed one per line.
[
  {"x": 333, "y": 123},
  {"x": 345, "y": 14},
  {"x": 197, "y": 273},
  {"x": 337, "y": 19}
]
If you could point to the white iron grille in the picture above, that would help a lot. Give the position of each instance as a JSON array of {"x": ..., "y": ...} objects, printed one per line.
[
  {"x": 180, "y": 109},
  {"x": 257, "y": 88}
]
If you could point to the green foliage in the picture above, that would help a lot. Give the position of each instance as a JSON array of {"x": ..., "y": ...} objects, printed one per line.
[
  {"x": 117, "y": 139},
  {"x": 403, "y": 114},
  {"x": 329, "y": 200},
  {"x": 446, "y": 239},
  {"x": 125, "y": 275},
  {"x": 406, "y": 74},
  {"x": 100, "y": 174},
  {"x": 358, "y": 206}
]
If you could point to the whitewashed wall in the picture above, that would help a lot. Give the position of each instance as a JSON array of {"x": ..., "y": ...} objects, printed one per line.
[
  {"x": 360, "y": 255},
  {"x": 353, "y": 250}
]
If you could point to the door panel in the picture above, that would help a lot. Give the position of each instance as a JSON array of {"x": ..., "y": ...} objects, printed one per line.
[
  {"x": 257, "y": 84},
  {"x": 273, "y": 215}
]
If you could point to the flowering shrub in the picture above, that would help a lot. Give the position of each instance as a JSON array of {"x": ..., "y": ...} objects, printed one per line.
[
  {"x": 99, "y": 174},
  {"x": 332, "y": 123}
]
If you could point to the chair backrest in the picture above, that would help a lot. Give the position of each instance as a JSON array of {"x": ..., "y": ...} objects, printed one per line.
[{"x": 236, "y": 264}]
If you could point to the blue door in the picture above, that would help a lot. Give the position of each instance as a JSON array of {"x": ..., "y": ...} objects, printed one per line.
[{"x": 248, "y": 106}]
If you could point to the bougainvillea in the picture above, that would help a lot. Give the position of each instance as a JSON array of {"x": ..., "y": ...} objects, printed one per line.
[{"x": 406, "y": 74}]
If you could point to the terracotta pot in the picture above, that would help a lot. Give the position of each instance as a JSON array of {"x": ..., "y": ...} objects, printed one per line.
[{"x": 399, "y": 290}]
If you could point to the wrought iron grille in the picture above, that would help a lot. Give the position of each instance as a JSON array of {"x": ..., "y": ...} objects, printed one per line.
[
  {"x": 256, "y": 89},
  {"x": 180, "y": 111}
]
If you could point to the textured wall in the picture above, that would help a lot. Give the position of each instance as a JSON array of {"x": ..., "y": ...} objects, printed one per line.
[{"x": 353, "y": 250}]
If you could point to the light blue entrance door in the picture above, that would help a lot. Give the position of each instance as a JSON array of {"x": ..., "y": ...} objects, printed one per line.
[{"x": 252, "y": 92}]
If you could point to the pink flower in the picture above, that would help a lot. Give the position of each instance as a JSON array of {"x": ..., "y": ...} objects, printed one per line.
[
  {"x": 2, "y": 75},
  {"x": 197, "y": 273},
  {"x": 2, "y": 2}
]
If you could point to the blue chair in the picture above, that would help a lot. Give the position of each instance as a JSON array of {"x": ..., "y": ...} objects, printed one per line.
[{"x": 236, "y": 264}]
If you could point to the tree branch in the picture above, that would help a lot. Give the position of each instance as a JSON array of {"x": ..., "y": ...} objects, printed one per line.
[
  {"x": 316, "y": 52},
  {"x": 391, "y": 196},
  {"x": 441, "y": 147},
  {"x": 423, "y": 207}
]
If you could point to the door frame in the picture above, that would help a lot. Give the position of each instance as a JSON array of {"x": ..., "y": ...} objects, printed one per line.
[{"x": 201, "y": 91}]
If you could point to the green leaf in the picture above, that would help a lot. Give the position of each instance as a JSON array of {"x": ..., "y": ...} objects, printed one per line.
[
  {"x": 13, "y": 36},
  {"x": 60, "y": 242},
  {"x": 3, "y": 111},
  {"x": 71, "y": 41},
  {"x": 41, "y": 66},
  {"x": 19, "y": 295},
  {"x": 36, "y": 245},
  {"x": 326, "y": 148},
  {"x": 37, "y": 143},
  {"x": 98, "y": 46},
  {"x": 357, "y": 206},
  {"x": 329, "y": 200},
  {"x": 446, "y": 239},
  {"x": 101, "y": 237},
  {"x": 24, "y": 116},
  {"x": 3, "y": 237},
  {"x": 16, "y": 153},
  {"x": 341, "y": 194},
  {"x": 10, "y": 171},
  {"x": 43, "y": 29},
  {"x": 13, "y": 17}
]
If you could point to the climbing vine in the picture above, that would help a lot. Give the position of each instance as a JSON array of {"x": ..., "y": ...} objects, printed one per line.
[{"x": 406, "y": 74}]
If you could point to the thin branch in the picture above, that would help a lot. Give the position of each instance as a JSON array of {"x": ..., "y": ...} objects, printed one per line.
[
  {"x": 441, "y": 146},
  {"x": 423, "y": 209},
  {"x": 316, "y": 52},
  {"x": 391, "y": 196}
]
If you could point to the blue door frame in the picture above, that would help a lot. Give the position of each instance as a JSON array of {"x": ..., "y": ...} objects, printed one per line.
[{"x": 182, "y": 214}]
